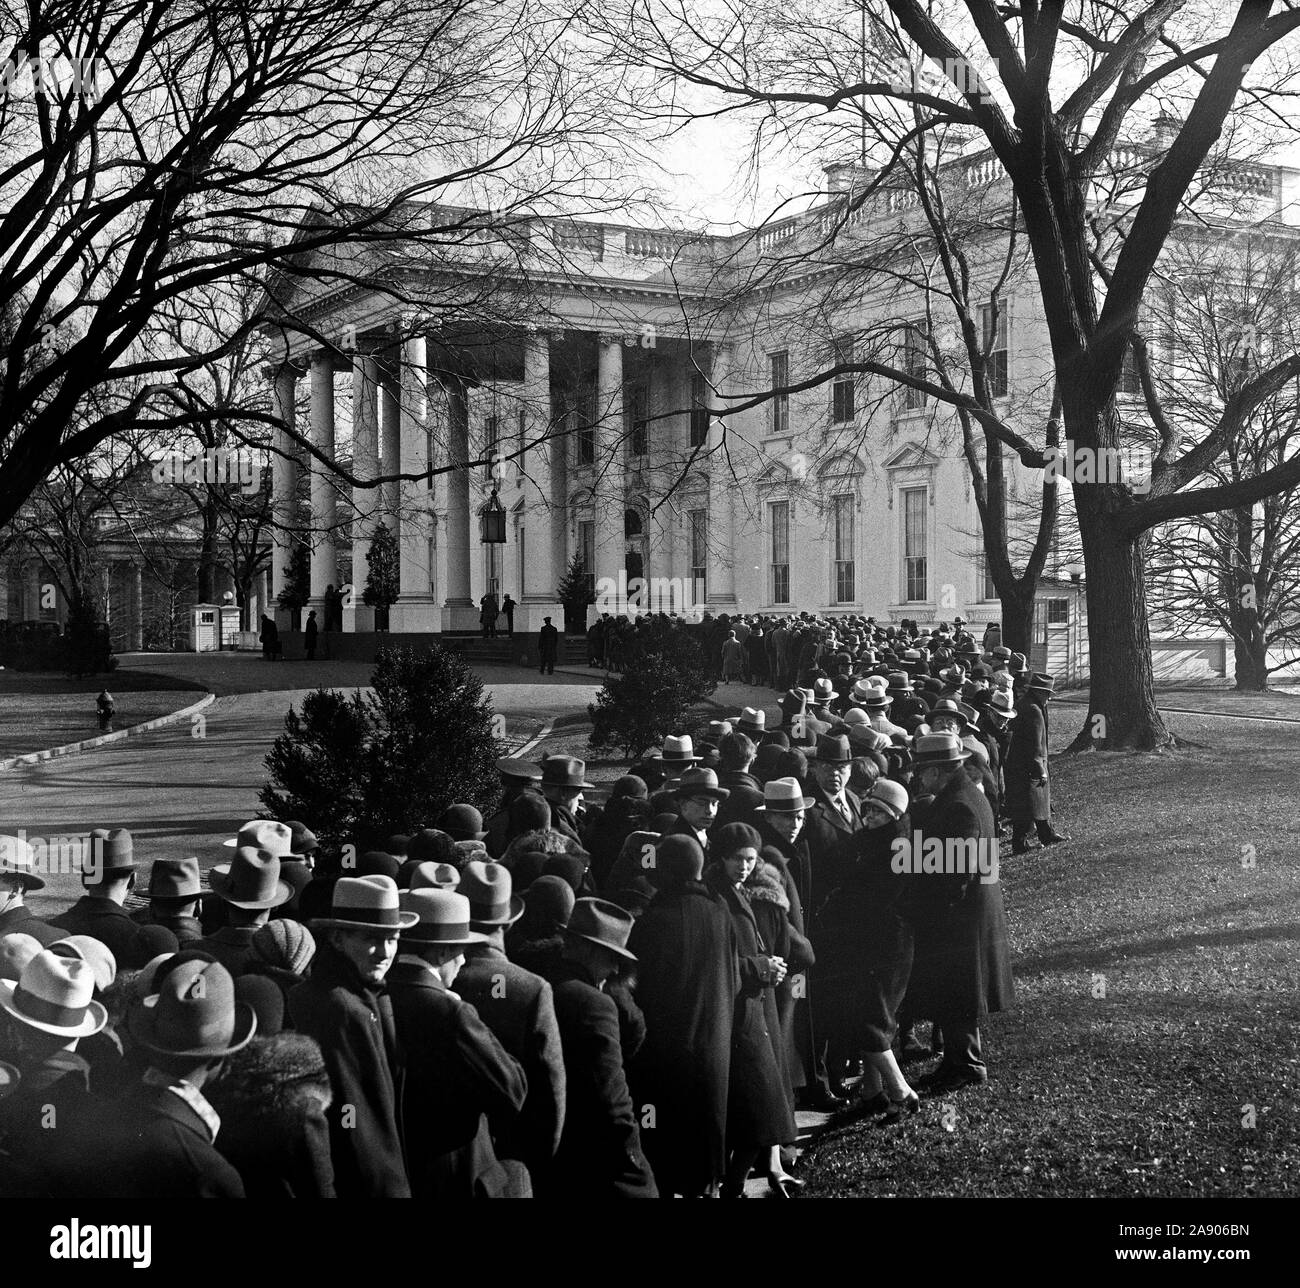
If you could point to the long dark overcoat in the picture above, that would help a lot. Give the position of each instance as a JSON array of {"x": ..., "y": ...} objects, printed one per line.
[
  {"x": 453, "y": 1078},
  {"x": 687, "y": 981},
  {"x": 354, "y": 1026},
  {"x": 962, "y": 957},
  {"x": 1028, "y": 787},
  {"x": 759, "y": 1112}
]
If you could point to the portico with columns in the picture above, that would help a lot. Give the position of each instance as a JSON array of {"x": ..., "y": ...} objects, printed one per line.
[{"x": 569, "y": 424}]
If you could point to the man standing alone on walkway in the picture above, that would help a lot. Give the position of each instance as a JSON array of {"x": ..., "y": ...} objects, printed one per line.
[{"x": 548, "y": 645}]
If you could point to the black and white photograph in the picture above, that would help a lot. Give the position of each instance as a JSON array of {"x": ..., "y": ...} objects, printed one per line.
[{"x": 650, "y": 599}]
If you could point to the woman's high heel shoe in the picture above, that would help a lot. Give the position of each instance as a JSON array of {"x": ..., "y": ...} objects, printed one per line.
[{"x": 783, "y": 1185}]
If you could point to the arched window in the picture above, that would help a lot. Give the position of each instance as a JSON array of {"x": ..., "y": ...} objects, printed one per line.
[{"x": 633, "y": 525}]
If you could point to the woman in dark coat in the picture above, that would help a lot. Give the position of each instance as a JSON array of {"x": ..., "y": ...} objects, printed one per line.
[
  {"x": 865, "y": 953},
  {"x": 272, "y": 1097},
  {"x": 759, "y": 1113},
  {"x": 687, "y": 981}
]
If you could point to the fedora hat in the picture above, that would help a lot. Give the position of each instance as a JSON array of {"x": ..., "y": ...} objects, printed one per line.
[
  {"x": 876, "y": 698},
  {"x": 176, "y": 879},
  {"x": 752, "y": 720},
  {"x": 899, "y": 682},
  {"x": 889, "y": 795},
  {"x": 951, "y": 707},
  {"x": 677, "y": 751},
  {"x": 783, "y": 796},
  {"x": 110, "y": 853},
  {"x": 436, "y": 876},
  {"x": 1018, "y": 663},
  {"x": 55, "y": 995},
  {"x": 16, "y": 861},
  {"x": 823, "y": 691},
  {"x": 861, "y": 689},
  {"x": 439, "y": 917},
  {"x": 194, "y": 1013},
  {"x": 302, "y": 840},
  {"x": 1040, "y": 683},
  {"x": 793, "y": 702},
  {"x": 251, "y": 880},
  {"x": 832, "y": 749},
  {"x": 98, "y": 956},
  {"x": 16, "y": 950},
  {"x": 939, "y": 749},
  {"x": 264, "y": 834},
  {"x": 564, "y": 771},
  {"x": 869, "y": 739},
  {"x": 718, "y": 729},
  {"x": 1003, "y": 704},
  {"x": 603, "y": 923},
  {"x": 699, "y": 782},
  {"x": 1002, "y": 653},
  {"x": 513, "y": 767},
  {"x": 488, "y": 888},
  {"x": 367, "y": 903}
]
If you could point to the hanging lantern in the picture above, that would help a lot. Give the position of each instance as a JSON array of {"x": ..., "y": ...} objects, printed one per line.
[{"x": 494, "y": 521}]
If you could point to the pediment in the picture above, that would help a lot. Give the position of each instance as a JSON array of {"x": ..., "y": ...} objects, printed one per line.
[{"x": 913, "y": 456}]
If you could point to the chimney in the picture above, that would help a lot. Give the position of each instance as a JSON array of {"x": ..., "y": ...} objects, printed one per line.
[{"x": 839, "y": 176}]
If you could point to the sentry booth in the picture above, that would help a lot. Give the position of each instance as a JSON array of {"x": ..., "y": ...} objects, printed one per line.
[{"x": 205, "y": 628}]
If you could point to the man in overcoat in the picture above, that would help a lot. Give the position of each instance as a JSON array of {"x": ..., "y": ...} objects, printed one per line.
[
  {"x": 600, "y": 1150},
  {"x": 344, "y": 1006},
  {"x": 961, "y": 967},
  {"x": 108, "y": 876},
  {"x": 519, "y": 1008},
  {"x": 454, "y": 1077},
  {"x": 1028, "y": 801},
  {"x": 17, "y": 877}
]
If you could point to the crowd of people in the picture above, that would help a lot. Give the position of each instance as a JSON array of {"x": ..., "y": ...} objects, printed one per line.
[{"x": 626, "y": 999}]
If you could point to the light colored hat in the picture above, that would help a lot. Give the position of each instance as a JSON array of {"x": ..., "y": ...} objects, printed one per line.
[
  {"x": 939, "y": 749},
  {"x": 856, "y": 716},
  {"x": 488, "y": 888},
  {"x": 16, "y": 861},
  {"x": 678, "y": 751},
  {"x": 16, "y": 950},
  {"x": 1003, "y": 704},
  {"x": 263, "y": 834},
  {"x": 99, "y": 957},
  {"x": 751, "y": 718},
  {"x": 889, "y": 795},
  {"x": 441, "y": 917},
  {"x": 823, "y": 690},
  {"x": 367, "y": 903},
  {"x": 55, "y": 995},
  {"x": 783, "y": 796}
]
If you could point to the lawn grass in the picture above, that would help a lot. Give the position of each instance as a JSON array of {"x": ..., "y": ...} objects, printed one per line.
[
  {"x": 1158, "y": 984},
  {"x": 39, "y": 710}
]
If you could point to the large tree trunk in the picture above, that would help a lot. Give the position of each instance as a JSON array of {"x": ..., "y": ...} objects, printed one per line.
[
  {"x": 1122, "y": 709},
  {"x": 1018, "y": 622},
  {"x": 1250, "y": 652}
]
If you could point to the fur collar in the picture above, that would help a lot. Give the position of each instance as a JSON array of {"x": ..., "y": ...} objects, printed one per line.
[{"x": 764, "y": 886}]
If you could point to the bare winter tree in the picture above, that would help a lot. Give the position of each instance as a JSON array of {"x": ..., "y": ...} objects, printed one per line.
[
  {"x": 153, "y": 149},
  {"x": 1054, "y": 93},
  {"x": 1226, "y": 311}
]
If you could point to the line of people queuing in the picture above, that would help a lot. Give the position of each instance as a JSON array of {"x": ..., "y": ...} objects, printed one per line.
[{"x": 620, "y": 1001}]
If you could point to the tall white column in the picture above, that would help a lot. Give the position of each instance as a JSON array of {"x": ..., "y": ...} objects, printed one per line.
[
  {"x": 415, "y": 609},
  {"x": 137, "y": 607},
  {"x": 366, "y": 502},
  {"x": 324, "y": 569},
  {"x": 722, "y": 508},
  {"x": 609, "y": 483},
  {"x": 537, "y": 599},
  {"x": 284, "y": 486},
  {"x": 390, "y": 439},
  {"x": 459, "y": 612}
]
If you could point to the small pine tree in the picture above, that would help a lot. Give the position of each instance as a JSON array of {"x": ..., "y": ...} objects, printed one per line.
[
  {"x": 297, "y": 591},
  {"x": 574, "y": 594},
  {"x": 383, "y": 580},
  {"x": 313, "y": 765}
]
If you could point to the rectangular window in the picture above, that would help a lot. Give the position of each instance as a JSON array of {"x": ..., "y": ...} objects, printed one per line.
[
  {"x": 984, "y": 578},
  {"x": 780, "y": 564},
  {"x": 1130, "y": 384},
  {"x": 844, "y": 512},
  {"x": 1058, "y": 612},
  {"x": 699, "y": 525},
  {"x": 915, "y": 580},
  {"x": 780, "y": 377},
  {"x": 635, "y": 414},
  {"x": 843, "y": 387},
  {"x": 699, "y": 410},
  {"x": 587, "y": 544},
  {"x": 993, "y": 327},
  {"x": 915, "y": 365},
  {"x": 585, "y": 431}
]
